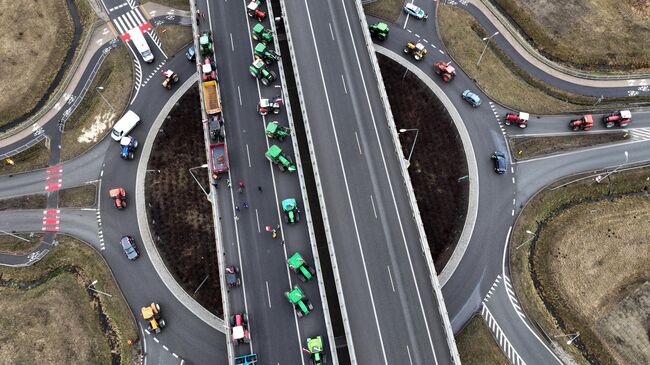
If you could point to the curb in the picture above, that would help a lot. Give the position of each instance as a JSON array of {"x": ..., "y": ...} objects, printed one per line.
[{"x": 143, "y": 222}]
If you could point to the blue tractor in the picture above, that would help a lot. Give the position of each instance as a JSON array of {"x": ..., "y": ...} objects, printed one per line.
[{"x": 128, "y": 145}]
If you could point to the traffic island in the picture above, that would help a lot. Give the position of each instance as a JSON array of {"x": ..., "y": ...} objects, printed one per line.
[
  {"x": 441, "y": 184},
  {"x": 524, "y": 148},
  {"x": 34, "y": 157},
  {"x": 19, "y": 244},
  {"x": 477, "y": 346},
  {"x": 178, "y": 212},
  {"x": 580, "y": 263},
  {"x": 83, "y": 196},
  {"x": 51, "y": 313},
  {"x": 34, "y": 201}
]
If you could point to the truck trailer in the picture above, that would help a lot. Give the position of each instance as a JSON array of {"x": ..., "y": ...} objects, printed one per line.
[{"x": 211, "y": 96}]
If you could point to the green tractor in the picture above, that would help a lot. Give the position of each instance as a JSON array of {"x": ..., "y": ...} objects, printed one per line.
[
  {"x": 265, "y": 54},
  {"x": 300, "y": 302},
  {"x": 275, "y": 155},
  {"x": 300, "y": 267},
  {"x": 379, "y": 30},
  {"x": 291, "y": 211},
  {"x": 275, "y": 131},
  {"x": 315, "y": 350},
  {"x": 205, "y": 41},
  {"x": 262, "y": 34},
  {"x": 259, "y": 71}
]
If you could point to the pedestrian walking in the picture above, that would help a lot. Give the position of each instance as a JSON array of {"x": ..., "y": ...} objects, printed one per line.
[
  {"x": 282, "y": 243},
  {"x": 274, "y": 233},
  {"x": 237, "y": 208},
  {"x": 259, "y": 188},
  {"x": 228, "y": 183},
  {"x": 245, "y": 205}
]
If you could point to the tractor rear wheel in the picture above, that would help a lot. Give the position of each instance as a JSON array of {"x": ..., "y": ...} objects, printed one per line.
[
  {"x": 265, "y": 82},
  {"x": 523, "y": 125}
]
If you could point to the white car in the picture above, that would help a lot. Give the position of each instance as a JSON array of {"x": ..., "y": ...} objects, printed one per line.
[{"x": 415, "y": 11}]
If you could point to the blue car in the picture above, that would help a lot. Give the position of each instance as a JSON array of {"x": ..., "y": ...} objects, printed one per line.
[
  {"x": 415, "y": 11},
  {"x": 128, "y": 245},
  {"x": 472, "y": 98},
  {"x": 190, "y": 54},
  {"x": 499, "y": 160}
]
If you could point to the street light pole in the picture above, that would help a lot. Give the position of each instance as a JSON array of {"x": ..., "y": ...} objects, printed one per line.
[
  {"x": 417, "y": 131},
  {"x": 197, "y": 181},
  {"x": 99, "y": 88},
  {"x": 528, "y": 240},
  {"x": 485, "y": 48},
  {"x": 13, "y": 235},
  {"x": 97, "y": 291},
  {"x": 601, "y": 178}
]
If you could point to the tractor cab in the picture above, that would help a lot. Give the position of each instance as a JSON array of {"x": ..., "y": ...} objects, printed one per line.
[
  {"x": 275, "y": 131},
  {"x": 207, "y": 69},
  {"x": 315, "y": 350},
  {"x": 239, "y": 325},
  {"x": 379, "y": 30},
  {"x": 291, "y": 211},
  {"x": 620, "y": 118},
  {"x": 416, "y": 49},
  {"x": 444, "y": 70},
  {"x": 128, "y": 145},
  {"x": 205, "y": 42},
  {"x": 298, "y": 264},
  {"x": 263, "y": 52},
  {"x": 266, "y": 106},
  {"x": 261, "y": 34},
  {"x": 520, "y": 119},
  {"x": 152, "y": 315},
  {"x": 255, "y": 11},
  {"x": 582, "y": 124},
  {"x": 119, "y": 195},
  {"x": 299, "y": 301},
  {"x": 171, "y": 78}
]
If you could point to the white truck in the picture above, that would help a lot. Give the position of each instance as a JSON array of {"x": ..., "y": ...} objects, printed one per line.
[{"x": 141, "y": 44}]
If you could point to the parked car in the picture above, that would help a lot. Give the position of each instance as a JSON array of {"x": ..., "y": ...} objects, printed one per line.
[
  {"x": 415, "y": 11},
  {"x": 473, "y": 99},
  {"x": 190, "y": 54},
  {"x": 499, "y": 160},
  {"x": 129, "y": 247}
]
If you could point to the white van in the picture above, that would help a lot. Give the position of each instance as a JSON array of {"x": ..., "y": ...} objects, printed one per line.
[
  {"x": 141, "y": 44},
  {"x": 125, "y": 125}
]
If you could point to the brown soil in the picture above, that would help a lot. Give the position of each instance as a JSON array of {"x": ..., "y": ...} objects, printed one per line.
[
  {"x": 83, "y": 196},
  {"x": 179, "y": 215},
  {"x": 524, "y": 148},
  {"x": 36, "y": 201},
  {"x": 442, "y": 198},
  {"x": 477, "y": 346}
]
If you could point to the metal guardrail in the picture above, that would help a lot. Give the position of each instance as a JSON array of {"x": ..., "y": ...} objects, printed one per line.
[
  {"x": 303, "y": 189},
  {"x": 554, "y": 65},
  {"x": 451, "y": 341}
]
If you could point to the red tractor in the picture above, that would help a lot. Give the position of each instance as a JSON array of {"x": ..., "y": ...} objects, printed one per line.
[
  {"x": 620, "y": 118},
  {"x": 272, "y": 105},
  {"x": 444, "y": 70},
  {"x": 239, "y": 326},
  {"x": 582, "y": 124},
  {"x": 119, "y": 195},
  {"x": 520, "y": 119},
  {"x": 208, "y": 69},
  {"x": 255, "y": 11}
]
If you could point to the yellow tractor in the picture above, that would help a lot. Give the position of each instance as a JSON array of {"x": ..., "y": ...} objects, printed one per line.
[
  {"x": 416, "y": 49},
  {"x": 152, "y": 315}
]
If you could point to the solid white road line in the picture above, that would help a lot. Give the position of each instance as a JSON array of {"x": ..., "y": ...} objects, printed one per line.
[
  {"x": 409, "y": 353},
  {"x": 267, "y": 294},
  {"x": 343, "y": 81},
  {"x": 257, "y": 217},
  {"x": 372, "y": 201},
  {"x": 248, "y": 154},
  {"x": 356, "y": 135},
  {"x": 331, "y": 31},
  {"x": 239, "y": 93},
  {"x": 232, "y": 45},
  {"x": 391, "y": 278}
]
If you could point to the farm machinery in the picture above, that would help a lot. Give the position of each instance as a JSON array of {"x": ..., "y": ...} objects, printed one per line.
[
  {"x": 300, "y": 302},
  {"x": 259, "y": 71},
  {"x": 520, "y": 119},
  {"x": 620, "y": 118},
  {"x": 239, "y": 326},
  {"x": 298, "y": 264},
  {"x": 379, "y": 30},
  {"x": 277, "y": 157},
  {"x": 151, "y": 314},
  {"x": 315, "y": 350},
  {"x": 205, "y": 42},
  {"x": 171, "y": 78},
  {"x": 445, "y": 70},
  {"x": 128, "y": 146},
  {"x": 261, "y": 34},
  {"x": 263, "y": 52},
  {"x": 208, "y": 72},
  {"x": 272, "y": 105},
  {"x": 119, "y": 196},
  {"x": 291, "y": 211},
  {"x": 417, "y": 50},
  {"x": 275, "y": 131},
  {"x": 254, "y": 10},
  {"x": 582, "y": 124}
]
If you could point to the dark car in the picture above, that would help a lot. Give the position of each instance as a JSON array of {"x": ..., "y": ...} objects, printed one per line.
[
  {"x": 128, "y": 245},
  {"x": 499, "y": 159},
  {"x": 472, "y": 98},
  {"x": 190, "y": 54},
  {"x": 232, "y": 277}
]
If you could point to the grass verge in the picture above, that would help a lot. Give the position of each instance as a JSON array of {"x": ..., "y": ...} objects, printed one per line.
[
  {"x": 15, "y": 246},
  {"x": 35, "y": 201},
  {"x": 524, "y": 148},
  {"x": 595, "y": 40},
  {"x": 48, "y": 316},
  {"x": 476, "y": 345},
  {"x": 385, "y": 9},
  {"x": 174, "y": 37},
  {"x": 35, "y": 157},
  {"x": 176, "y": 4},
  {"x": 463, "y": 36},
  {"x": 93, "y": 118},
  {"x": 587, "y": 264},
  {"x": 78, "y": 197}
]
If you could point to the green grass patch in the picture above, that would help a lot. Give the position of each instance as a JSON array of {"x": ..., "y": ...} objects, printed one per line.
[
  {"x": 524, "y": 148},
  {"x": 35, "y": 201},
  {"x": 57, "y": 320},
  {"x": 476, "y": 345},
  {"x": 35, "y": 157},
  {"x": 94, "y": 117},
  {"x": 83, "y": 196},
  {"x": 176, "y": 4},
  {"x": 385, "y": 9},
  {"x": 174, "y": 38},
  {"x": 15, "y": 246}
]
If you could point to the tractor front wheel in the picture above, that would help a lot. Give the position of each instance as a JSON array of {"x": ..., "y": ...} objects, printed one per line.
[
  {"x": 523, "y": 125},
  {"x": 265, "y": 82},
  {"x": 609, "y": 124}
]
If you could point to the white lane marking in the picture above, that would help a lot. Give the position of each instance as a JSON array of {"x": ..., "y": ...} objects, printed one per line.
[
  {"x": 331, "y": 31},
  {"x": 347, "y": 189},
  {"x": 165, "y": 347},
  {"x": 239, "y": 93},
  {"x": 248, "y": 154},
  {"x": 391, "y": 278},
  {"x": 267, "y": 293},
  {"x": 232, "y": 45},
  {"x": 344, "y": 87},
  {"x": 513, "y": 179},
  {"x": 513, "y": 213},
  {"x": 504, "y": 343},
  {"x": 410, "y": 31},
  {"x": 174, "y": 355},
  {"x": 417, "y": 35},
  {"x": 441, "y": 51},
  {"x": 155, "y": 339},
  {"x": 101, "y": 173},
  {"x": 424, "y": 40},
  {"x": 257, "y": 217},
  {"x": 358, "y": 144},
  {"x": 372, "y": 201},
  {"x": 409, "y": 353}
]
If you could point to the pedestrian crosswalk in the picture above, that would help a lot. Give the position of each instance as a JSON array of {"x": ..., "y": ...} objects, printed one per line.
[
  {"x": 131, "y": 20},
  {"x": 639, "y": 134}
]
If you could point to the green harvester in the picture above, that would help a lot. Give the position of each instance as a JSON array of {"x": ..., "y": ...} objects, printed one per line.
[
  {"x": 262, "y": 34},
  {"x": 300, "y": 302},
  {"x": 275, "y": 131},
  {"x": 300, "y": 267},
  {"x": 379, "y": 30},
  {"x": 259, "y": 71},
  {"x": 275, "y": 155}
]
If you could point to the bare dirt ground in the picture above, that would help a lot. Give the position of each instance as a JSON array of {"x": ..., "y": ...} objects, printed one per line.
[
  {"x": 588, "y": 268},
  {"x": 179, "y": 215},
  {"x": 385, "y": 9},
  {"x": 35, "y": 201},
  {"x": 477, "y": 346},
  {"x": 47, "y": 316},
  {"x": 528, "y": 147},
  {"x": 442, "y": 198},
  {"x": 175, "y": 38},
  {"x": 176, "y": 4},
  {"x": 12, "y": 245},
  {"x": 34, "y": 39},
  {"x": 83, "y": 196},
  {"x": 597, "y": 35}
]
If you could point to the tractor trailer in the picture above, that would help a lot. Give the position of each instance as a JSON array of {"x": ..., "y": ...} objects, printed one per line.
[
  {"x": 141, "y": 44},
  {"x": 211, "y": 96}
]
